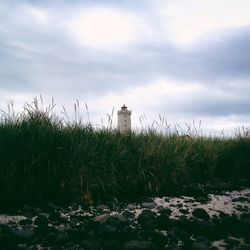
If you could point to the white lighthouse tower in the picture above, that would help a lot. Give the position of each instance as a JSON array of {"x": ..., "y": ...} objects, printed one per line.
[{"x": 124, "y": 119}]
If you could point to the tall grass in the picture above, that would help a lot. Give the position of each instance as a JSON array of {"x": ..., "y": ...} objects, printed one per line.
[{"x": 46, "y": 158}]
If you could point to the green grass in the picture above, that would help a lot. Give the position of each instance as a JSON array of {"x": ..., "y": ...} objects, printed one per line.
[{"x": 45, "y": 158}]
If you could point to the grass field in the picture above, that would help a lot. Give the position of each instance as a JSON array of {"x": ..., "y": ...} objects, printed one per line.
[{"x": 45, "y": 158}]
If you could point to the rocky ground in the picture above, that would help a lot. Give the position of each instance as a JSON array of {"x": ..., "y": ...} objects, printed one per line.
[{"x": 219, "y": 221}]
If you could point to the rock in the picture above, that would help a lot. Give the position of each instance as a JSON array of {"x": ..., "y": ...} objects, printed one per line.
[
  {"x": 137, "y": 245},
  {"x": 42, "y": 224},
  {"x": 147, "y": 219},
  {"x": 148, "y": 205},
  {"x": 110, "y": 244},
  {"x": 199, "y": 245},
  {"x": 55, "y": 216},
  {"x": 131, "y": 206},
  {"x": 240, "y": 199},
  {"x": 41, "y": 220},
  {"x": 159, "y": 239},
  {"x": 232, "y": 242},
  {"x": 102, "y": 218},
  {"x": 91, "y": 244},
  {"x": 61, "y": 238},
  {"x": 202, "y": 199},
  {"x": 163, "y": 222},
  {"x": 200, "y": 213},
  {"x": 184, "y": 210},
  {"x": 23, "y": 234},
  {"x": 159, "y": 208},
  {"x": 128, "y": 214},
  {"x": 51, "y": 207},
  {"x": 117, "y": 220},
  {"x": 166, "y": 211},
  {"x": 102, "y": 207},
  {"x": 25, "y": 222},
  {"x": 74, "y": 222}
]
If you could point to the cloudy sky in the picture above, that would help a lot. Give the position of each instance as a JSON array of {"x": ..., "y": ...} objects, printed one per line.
[{"x": 183, "y": 59}]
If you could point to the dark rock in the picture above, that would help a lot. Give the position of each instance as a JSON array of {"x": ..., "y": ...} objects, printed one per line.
[
  {"x": 74, "y": 222},
  {"x": 159, "y": 239},
  {"x": 25, "y": 222},
  {"x": 163, "y": 222},
  {"x": 76, "y": 235},
  {"x": 240, "y": 199},
  {"x": 91, "y": 244},
  {"x": 128, "y": 214},
  {"x": 102, "y": 218},
  {"x": 137, "y": 245},
  {"x": 182, "y": 235},
  {"x": 117, "y": 220},
  {"x": 199, "y": 245},
  {"x": 23, "y": 234},
  {"x": 201, "y": 213},
  {"x": 166, "y": 211},
  {"x": 41, "y": 220},
  {"x": 147, "y": 218},
  {"x": 51, "y": 237},
  {"x": 131, "y": 206},
  {"x": 102, "y": 207},
  {"x": 148, "y": 205},
  {"x": 112, "y": 244},
  {"x": 231, "y": 242},
  {"x": 159, "y": 208},
  {"x": 62, "y": 237},
  {"x": 202, "y": 199},
  {"x": 52, "y": 207},
  {"x": 184, "y": 210},
  {"x": 55, "y": 215}
]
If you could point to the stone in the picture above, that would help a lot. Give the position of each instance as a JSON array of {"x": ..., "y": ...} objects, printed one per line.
[
  {"x": 163, "y": 222},
  {"x": 111, "y": 244},
  {"x": 148, "y": 205},
  {"x": 147, "y": 219},
  {"x": 25, "y": 222},
  {"x": 91, "y": 244},
  {"x": 131, "y": 206},
  {"x": 102, "y": 207},
  {"x": 117, "y": 221},
  {"x": 184, "y": 210},
  {"x": 166, "y": 211},
  {"x": 137, "y": 245},
  {"x": 128, "y": 214},
  {"x": 240, "y": 199},
  {"x": 199, "y": 245},
  {"x": 102, "y": 218},
  {"x": 202, "y": 199},
  {"x": 23, "y": 234},
  {"x": 54, "y": 215},
  {"x": 74, "y": 222},
  {"x": 159, "y": 239},
  {"x": 200, "y": 213},
  {"x": 61, "y": 238}
]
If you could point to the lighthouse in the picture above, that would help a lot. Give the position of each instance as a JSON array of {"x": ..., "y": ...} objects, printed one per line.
[{"x": 124, "y": 119}]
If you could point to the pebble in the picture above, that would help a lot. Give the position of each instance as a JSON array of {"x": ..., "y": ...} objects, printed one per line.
[{"x": 153, "y": 224}]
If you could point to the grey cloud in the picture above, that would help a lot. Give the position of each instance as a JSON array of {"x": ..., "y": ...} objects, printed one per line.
[{"x": 46, "y": 61}]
